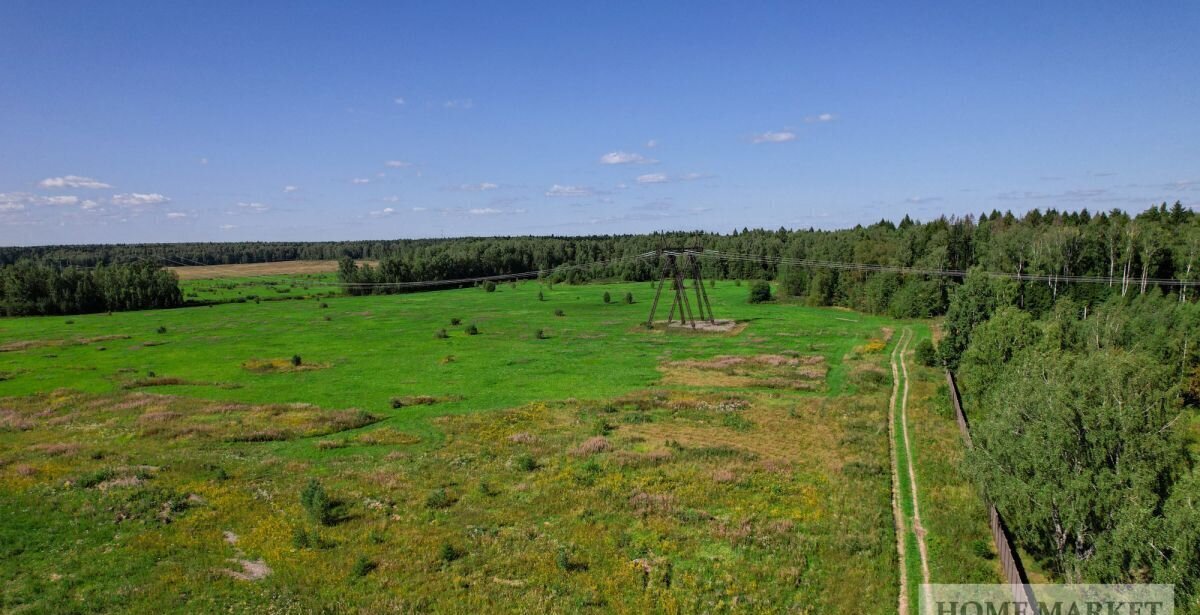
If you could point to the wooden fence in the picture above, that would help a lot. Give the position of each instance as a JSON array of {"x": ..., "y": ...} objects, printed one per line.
[{"x": 1010, "y": 560}]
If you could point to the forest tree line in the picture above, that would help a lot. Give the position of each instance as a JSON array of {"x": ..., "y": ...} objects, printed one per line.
[{"x": 29, "y": 288}]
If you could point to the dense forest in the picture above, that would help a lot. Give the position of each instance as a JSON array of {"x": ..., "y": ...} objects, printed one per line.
[{"x": 37, "y": 289}]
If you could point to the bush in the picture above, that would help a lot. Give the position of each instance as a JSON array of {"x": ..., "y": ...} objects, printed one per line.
[
  {"x": 760, "y": 291},
  {"x": 161, "y": 329},
  {"x": 629, "y": 298},
  {"x": 489, "y": 286},
  {"x": 324, "y": 305},
  {"x": 296, "y": 361},
  {"x": 454, "y": 322},
  {"x": 541, "y": 297},
  {"x": 925, "y": 353},
  {"x": 441, "y": 334},
  {"x": 607, "y": 297},
  {"x": 567, "y": 563},
  {"x": 300, "y": 539},
  {"x": 527, "y": 463},
  {"x": 317, "y": 503},
  {"x": 362, "y": 567},
  {"x": 438, "y": 499},
  {"x": 559, "y": 313},
  {"x": 472, "y": 329},
  {"x": 448, "y": 553},
  {"x": 540, "y": 334}
]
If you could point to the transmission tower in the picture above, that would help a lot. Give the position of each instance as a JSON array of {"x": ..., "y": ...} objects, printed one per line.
[{"x": 674, "y": 265}]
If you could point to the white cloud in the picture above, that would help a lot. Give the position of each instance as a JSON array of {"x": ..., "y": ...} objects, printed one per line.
[
  {"x": 360, "y": 180},
  {"x": 290, "y": 188},
  {"x": 782, "y": 136},
  {"x": 89, "y": 204},
  {"x": 257, "y": 208},
  {"x": 228, "y": 227},
  {"x": 379, "y": 213},
  {"x": 13, "y": 201},
  {"x": 61, "y": 200},
  {"x": 419, "y": 208},
  {"x": 652, "y": 143},
  {"x": 139, "y": 199},
  {"x": 204, "y": 161},
  {"x": 625, "y": 158},
  {"x": 572, "y": 191},
  {"x": 652, "y": 178},
  {"x": 398, "y": 100},
  {"x": 397, "y": 164},
  {"x": 824, "y": 117},
  {"x": 459, "y": 103},
  {"x": 484, "y": 211},
  {"x": 72, "y": 181},
  {"x": 480, "y": 187},
  {"x": 175, "y": 215}
]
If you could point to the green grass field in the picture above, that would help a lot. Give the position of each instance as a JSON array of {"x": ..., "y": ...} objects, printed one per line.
[{"x": 155, "y": 461}]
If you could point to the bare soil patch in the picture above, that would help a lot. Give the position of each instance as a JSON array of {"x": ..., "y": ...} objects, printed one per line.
[{"x": 204, "y": 272}]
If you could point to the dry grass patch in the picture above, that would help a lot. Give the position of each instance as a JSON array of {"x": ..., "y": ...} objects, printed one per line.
[
  {"x": 738, "y": 371},
  {"x": 277, "y": 366}
]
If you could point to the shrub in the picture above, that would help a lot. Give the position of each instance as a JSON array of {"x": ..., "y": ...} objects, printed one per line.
[
  {"x": 438, "y": 499},
  {"x": 607, "y": 297},
  {"x": 541, "y": 297},
  {"x": 760, "y": 291},
  {"x": 362, "y": 567},
  {"x": 454, "y": 322},
  {"x": 328, "y": 318},
  {"x": 441, "y": 334},
  {"x": 300, "y": 539},
  {"x": 317, "y": 503},
  {"x": 324, "y": 305},
  {"x": 472, "y": 329},
  {"x": 925, "y": 353},
  {"x": 629, "y": 298},
  {"x": 567, "y": 563},
  {"x": 489, "y": 286},
  {"x": 448, "y": 553},
  {"x": 559, "y": 313},
  {"x": 70, "y": 322},
  {"x": 296, "y": 361},
  {"x": 540, "y": 334},
  {"x": 487, "y": 490},
  {"x": 161, "y": 329},
  {"x": 527, "y": 463}
]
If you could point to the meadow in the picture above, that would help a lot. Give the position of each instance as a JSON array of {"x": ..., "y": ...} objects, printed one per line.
[{"x": 338, "y": 454}]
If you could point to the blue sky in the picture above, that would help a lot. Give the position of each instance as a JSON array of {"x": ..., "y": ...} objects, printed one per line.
[{"x": 174, "y": 121}]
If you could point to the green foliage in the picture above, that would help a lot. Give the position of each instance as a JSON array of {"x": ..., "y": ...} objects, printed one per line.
[
  {"x": 629, "y": 298},
  {"x": 316, "y": 503},
  {"x": 489, "y": 286},
  {"x": 448, "y": 553},
  {"x": 541, "y": 297},
  {"x": 540, "y": 334},
  {"x": 454, "y": 322},
  {"x": 472, "y": 329},
  {"x": 296, "y": 360},
  {"x": 972, "y": 303},
  {"x": 34, "y": 289},
  {"x": 760, "y": 292},
  {"x": 438, "y": 499},
  {"x": 441, "y": 334},
  {"x": 925, "y": 353},
  {"x": 161, "y": 329},
  {"x": 526, "y": 463},
  {"x": 607, "y": 297},
  {"x": 559, "y": 312},
  {"x": 362, "y": 567}
]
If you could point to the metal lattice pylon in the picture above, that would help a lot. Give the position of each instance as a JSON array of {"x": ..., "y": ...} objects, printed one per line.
[{"x": 673, "y": 270}]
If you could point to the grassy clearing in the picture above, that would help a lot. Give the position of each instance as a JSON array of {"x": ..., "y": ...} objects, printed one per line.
[{"x": 476, "y": 472}]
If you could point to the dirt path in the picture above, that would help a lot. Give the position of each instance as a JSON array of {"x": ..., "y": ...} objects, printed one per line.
[
  {"x": 918, "y": 529},
  {"x": 897, "y": 513}
]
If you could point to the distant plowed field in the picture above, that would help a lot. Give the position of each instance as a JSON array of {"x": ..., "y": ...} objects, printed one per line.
[{"x": 201, "y": 272}]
